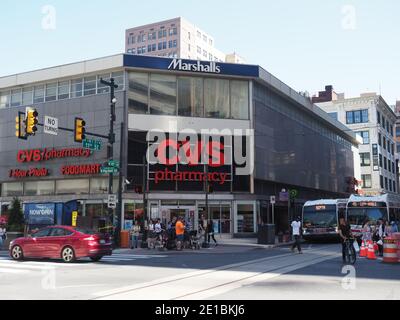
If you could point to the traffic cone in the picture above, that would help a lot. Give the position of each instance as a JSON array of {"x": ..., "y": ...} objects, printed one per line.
[
  {"x": 371, "y": 252},
  {"x": 363, "y": 251}
]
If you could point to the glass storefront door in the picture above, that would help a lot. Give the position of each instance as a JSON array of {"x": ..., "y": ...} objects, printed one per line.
[{"x": 221, "y": 216}]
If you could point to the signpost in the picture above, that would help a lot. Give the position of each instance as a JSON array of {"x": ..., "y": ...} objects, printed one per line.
[
  {"x": 94, "y": 145},
  {"x": 74, "y": 218},
  {"x": 273, "y": 201},
  {"x": 112, "y": 201},
  {"x": 109, "y": 170},
  {"x": 51, "y": 125}
]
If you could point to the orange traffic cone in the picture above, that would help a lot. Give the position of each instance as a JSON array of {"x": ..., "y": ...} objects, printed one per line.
[
  {"x": 371, "y": 252},
  {"x": 363, "y": 251}
]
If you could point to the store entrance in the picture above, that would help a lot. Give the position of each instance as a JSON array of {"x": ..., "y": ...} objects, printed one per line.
[{"x": 186, "y": 213}]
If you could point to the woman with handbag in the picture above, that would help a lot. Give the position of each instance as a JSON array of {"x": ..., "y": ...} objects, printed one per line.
[{"x": 3, "y": 236}]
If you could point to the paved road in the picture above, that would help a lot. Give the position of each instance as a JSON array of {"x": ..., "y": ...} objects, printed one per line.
[{"x": 224, "y": 272}]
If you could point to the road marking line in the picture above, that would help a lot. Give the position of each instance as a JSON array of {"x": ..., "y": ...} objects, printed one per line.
[
  {"x": 41, "y": 263},
  {"x": 14, "y": 271}
]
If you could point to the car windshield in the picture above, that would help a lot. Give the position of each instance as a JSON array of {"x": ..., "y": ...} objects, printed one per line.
[
  {"x": 320, "y": 216},
  {"x": 86, "y": 231},
  {"x": 358, "y": 216}
]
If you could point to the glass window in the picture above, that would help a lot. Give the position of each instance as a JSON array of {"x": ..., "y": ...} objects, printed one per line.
[
  {"x": 365, "y": 159},
  {"x": 333, "y": 115},
  {"x": 379, "y": 139},
  {"x": 364, "y": 116},
  {"x": 378, "y": 115},
  {"x": 383, "y": 122},
  {"x": 51, "y": 92},
  {"x": 90, "y": 85},
  {"x": 16, "y": 98},
  {"x": 385, "y": 163},
  {"x": 216, "y": 98},
  {"x": 42, "y": 233},
  {"x": 162, "y": 94},
  {"x": 240, "y": 100},
  {"x": 381, "y": 180},
  {"x": 100, "y": 185},
  {"x": 72, "y": 186},
  {"x": 349, "y": 117},
  {"x": 11, "y": 189},
  {"x": 39, "y": 188},
  {"x": 63, "y": 90},
  {"x": 102, "y": 88},
  {"x": 27, "y": 96},
  {"x": 38, "y": 95},
  {"x": 366, "y": 181},
  {"x": 357, "y": 116},
  {"x": 364, "y": 135},
  {"x": 4, "y": 99},
  {"x": 190, "y": 97},
  {"x": 138, "y": 95},
  {"x": 76, "y": 88},
  {"x": 60, "y": 232},
  {"x": 245, "y": 218}
]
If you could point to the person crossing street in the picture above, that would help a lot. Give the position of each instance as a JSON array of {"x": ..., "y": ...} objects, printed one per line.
[{"x": 296, "y": 232}]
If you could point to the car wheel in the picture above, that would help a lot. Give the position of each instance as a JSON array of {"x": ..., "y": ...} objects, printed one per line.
[
  {"x": 68, "y": 255},
  {"x": 96, "y": 259},
  {"x": 16, "y": 253}
]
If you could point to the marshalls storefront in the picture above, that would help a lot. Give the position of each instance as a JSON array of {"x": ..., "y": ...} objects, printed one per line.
[{"x": 258, "y": 136}]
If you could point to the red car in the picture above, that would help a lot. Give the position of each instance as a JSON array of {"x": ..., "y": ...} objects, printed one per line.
[{"x": 62, "y": 242}]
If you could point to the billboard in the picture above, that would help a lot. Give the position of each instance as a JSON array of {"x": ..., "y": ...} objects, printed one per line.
[{"x": 40, "y": 213}]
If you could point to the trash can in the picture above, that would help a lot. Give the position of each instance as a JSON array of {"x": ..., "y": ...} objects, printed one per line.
[
  {"x": 124, "y": 239},
  {"x": 266, "y": 234}
]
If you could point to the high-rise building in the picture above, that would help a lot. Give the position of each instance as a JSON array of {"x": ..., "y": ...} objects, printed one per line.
[
  {"x": 175, "y": 38},
  {"x": 374, "y": 121}
]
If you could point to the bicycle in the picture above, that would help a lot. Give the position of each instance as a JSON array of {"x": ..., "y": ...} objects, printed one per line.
[{"x": 350, "y": 254}]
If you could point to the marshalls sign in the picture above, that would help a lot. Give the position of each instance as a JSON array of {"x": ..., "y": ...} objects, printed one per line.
[{"x": 51, "y": 125}]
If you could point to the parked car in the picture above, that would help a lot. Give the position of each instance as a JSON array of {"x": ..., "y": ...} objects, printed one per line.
[{"x": 63, "y": 242}]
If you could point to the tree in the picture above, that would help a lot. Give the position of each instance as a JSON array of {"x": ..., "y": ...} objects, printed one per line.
[{"x": 16, "y": 217}]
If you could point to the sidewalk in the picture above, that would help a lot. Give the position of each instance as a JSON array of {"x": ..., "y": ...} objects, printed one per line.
[{"x": 252, "y": 243}]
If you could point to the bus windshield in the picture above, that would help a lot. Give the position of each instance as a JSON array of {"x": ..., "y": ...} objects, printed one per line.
[
  {"x": 358, "y": 216},
  {"x": 320, "y": 216}
]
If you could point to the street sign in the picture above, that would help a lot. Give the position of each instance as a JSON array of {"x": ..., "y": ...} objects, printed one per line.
[
  {"x": 112, "y": 201},
  {"x": 50, "y": 125},
  {"x": 90, "y": 144},
  {"x": 273, "y": 199},
  {"x": 113, "y": 163},
  {"x": 294, "y": 193},
  {"x": 74, "y": 218},
  {"x": 108, "y": 170}
]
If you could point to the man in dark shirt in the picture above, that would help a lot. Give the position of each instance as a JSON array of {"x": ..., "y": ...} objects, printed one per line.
[{"x": 344, "y": 233}]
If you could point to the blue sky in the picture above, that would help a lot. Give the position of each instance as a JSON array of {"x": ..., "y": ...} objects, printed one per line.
[{"x": 352, "y": 44}]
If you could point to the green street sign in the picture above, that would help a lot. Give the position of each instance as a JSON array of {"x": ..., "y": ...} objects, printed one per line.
[
  {"x": 108, "y": 170},
  {"x": 294, "y": 193},
  {"x": 94, "y": 145},
  {"x": 113, "y": 163}
]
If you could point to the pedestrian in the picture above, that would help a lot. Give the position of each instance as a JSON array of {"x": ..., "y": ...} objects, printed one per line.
[
  {"x": 158, "y": 229},
  {"x": 180, "y": 232},
  {"x": 382, "y": 235},
  {"x": 394, "y": 227},
  {"x": 296, "y": 228},
  {"x": 345, "y": 234},
  {"x": 135, "y": 232},
  {"x": 3, "y": 236},
  {"x": 210, "y": 231},
  {"x": 203, "y": 228},
  {"x": 367, "y": 231},
  {"x": 150, "y": 235}
]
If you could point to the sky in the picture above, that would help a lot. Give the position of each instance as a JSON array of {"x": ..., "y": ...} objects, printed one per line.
[{"x": 353, "y": 45}]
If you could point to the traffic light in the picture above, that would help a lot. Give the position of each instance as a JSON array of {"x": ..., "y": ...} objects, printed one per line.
[
  {"x": 139, "y": 189},
  {"x": 79, "y": 129},
  {"x": 20, "y": 126},
  {"x": 31, "y": 122}
]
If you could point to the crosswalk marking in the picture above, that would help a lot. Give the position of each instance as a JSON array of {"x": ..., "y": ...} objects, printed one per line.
[{"x": 14, "y": 271}]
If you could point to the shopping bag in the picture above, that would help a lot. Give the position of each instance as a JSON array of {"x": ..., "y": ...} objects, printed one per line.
[
  {"x": 356, "y": 246},
  {"x": 380, "y": 242}
]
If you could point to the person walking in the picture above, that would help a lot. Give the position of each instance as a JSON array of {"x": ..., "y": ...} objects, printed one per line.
[
  {"x": 150, "y": 235},
  {"x": 296, "y": 228},
  {"x": 135, "y": 232},
  {"x": 180, "y": 232},
  {"x": 382, "y": 233},
  {"x": 210, "y": 231},
  {"x": 344, "y": 233},
  {"x": 3, "y": 236},
  {"x": 367, "y": 231}
]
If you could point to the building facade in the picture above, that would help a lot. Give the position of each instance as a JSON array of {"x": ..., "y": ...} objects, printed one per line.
[
  {"x": 371, "y": 118},
  {"x": 175, "y": 38},
  {"x": 270, "y": 139}
]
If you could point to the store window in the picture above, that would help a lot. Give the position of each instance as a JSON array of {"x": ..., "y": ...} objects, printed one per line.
[
  {"x": 100, "y": 185},
  {"x": 133, "y": 212},
  {"x": 51, "y": 92},
  {"x": 72, "y": 186},
  {"x": 190, "y": 97},
  {"x": 38, "y": 95},
  {"x": 12, "y": 189},
  {"x": 240, "y": 100},
  {"x": 162, "y": 94},
  {"x": 245, "y": 218},
  {"x": 216, "y": 98},
  {"x": 90, "y": 85},
  {"x": 76, "y": 88},
  {"x": 39, "y": 188},
  {"x": 138, "y": 93}
]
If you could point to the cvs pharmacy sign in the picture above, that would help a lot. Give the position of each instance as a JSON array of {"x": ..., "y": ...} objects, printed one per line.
[{"x": 209, "y": 67}]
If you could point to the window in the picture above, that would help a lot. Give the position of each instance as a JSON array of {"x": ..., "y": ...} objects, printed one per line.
[
  {"x": 41, "y": 233},
  {"x": 393, "y": 168},
  {"x": 198, "y": 50},
  {"x": 386, "y": 183},
  {"x": 245, "y": 218},
  {"x": 39, "y": 188},
  {"x": 60, "y": 232},
  {"x": 38, "y": 95},
  {"x": 366, "y": 181},
  {"x": 360, "y": 116},
  {"x": 199, "y": 34},
  {"x": 239, "y": 100},
  {"x": 51, "y": 92},
  {"x": 160, "y": 46},
  {"x": 216, "y": 103},
  {"x": 102, "y": 88},
  {"x": 205, "y": 53},
  {"x": 138, "y": 92},
  {"x": 90, "y": 85},
  {"x": 390, "y": 185},
  {"x": 381, "y": 180},
  {"x": 100, "y": 185},
  {"x": 76, "y": 88},
  {"x": 16, "y": 98},
  {"x": 383, "y": 122},
  {"x": 394, "y": 186},
  {"x": 384, "y": 143},
  {"x": 189, "y": 35},
  {"x": 205, "y": 38},
  {"x": 162, "y": 94},
  {"x": 380, "y": 161},
  {"x": 12, "y": 189},
  {"x": 63, "y": 90},
  {"x": 365, "y": 159},
  {"x": 333, "y": 115},
  {"x": 190, "y": 97},
  {"x": 398, "y": 147},
  {"x": 378, "y": 115},
  {"x": 392, "y": 148},
  {"x": 385, "y": 163},
  {"x": 4, "y": 100},
  {"x": 387, "y": 126},
  {"x": 210, "y": 42},
  {"x": 379, "y": 139},
  {"x": 72, "y": 186},
  {"x": 364, "y": 135},
  {"x": 27, "y": 96}
]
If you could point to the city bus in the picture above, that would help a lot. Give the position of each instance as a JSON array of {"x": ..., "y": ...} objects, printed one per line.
[
  {"x": 360, "y": 209},
  {"x": 321, "y": 218}
]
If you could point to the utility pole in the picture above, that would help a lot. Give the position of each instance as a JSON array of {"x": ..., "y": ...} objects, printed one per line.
[
  {"x": 144, "y": 190},
  {"x": 206, "y": 243},
  {"x": 111, "y": 137},
  {"x": 120, "y": 182}
]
